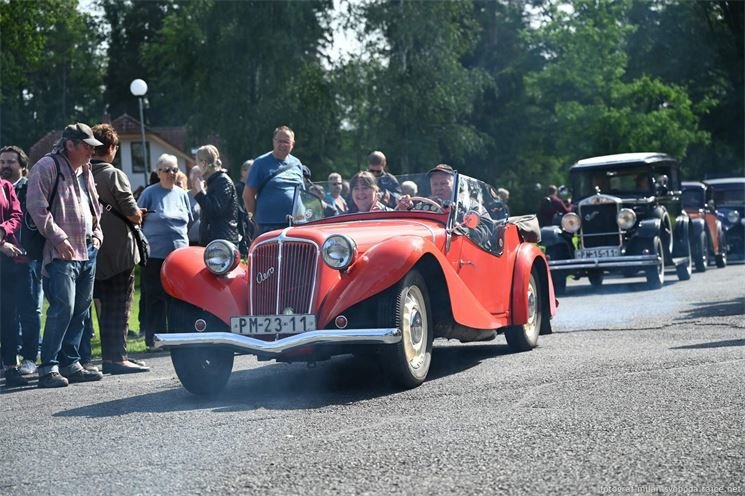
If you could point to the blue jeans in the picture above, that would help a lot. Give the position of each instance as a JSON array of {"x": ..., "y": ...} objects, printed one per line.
[
  {"x": 30, "y": 299},
  {"x": 69, "y": 289}
]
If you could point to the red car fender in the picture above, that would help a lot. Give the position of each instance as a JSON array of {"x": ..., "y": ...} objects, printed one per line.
[
  {"x": 185, "y": 277},
  {"x": 385, "y": 264},
  {"x": 526, "y": 257}
]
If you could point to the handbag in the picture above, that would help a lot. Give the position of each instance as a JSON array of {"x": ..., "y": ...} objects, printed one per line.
[
  {"x": 143, "y": 245},
  {"x": 30, "y": 238}
]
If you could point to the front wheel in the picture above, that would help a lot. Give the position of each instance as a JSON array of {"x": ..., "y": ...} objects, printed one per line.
[
  {"x": 656, "y": 275},
  {"x": 407, "y": 362},
  {"x": 203, "y": 370},
  {"x": 685, "y": 269},
  {"x": 525, "y": 337}
]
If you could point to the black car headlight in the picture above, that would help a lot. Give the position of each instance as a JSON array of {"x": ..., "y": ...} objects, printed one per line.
[
  {"x": 571, "y": 222},
  {"x": 338, "y": 251},
  {"x": 221, "y": 256},
  {"x": 733, "y": 216},
  {"x": 626, "y": 218}
]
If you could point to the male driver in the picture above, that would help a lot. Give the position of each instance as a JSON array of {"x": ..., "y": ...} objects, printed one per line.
[
  {"x": 70, "y": 223},
  {"x": 390, "y": 190},
  {"x": 271, "y": 183},
  {"x": 29, "y": 297}
]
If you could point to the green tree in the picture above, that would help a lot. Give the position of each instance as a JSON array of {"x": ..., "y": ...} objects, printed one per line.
[
  {"x": 237, "y": 70},
  {"x": 130, "y": 26},
  {"x": 589, "y": 108},
  {"x": 51, "y": 68},
  {"x": 698, "y": 45},
  {"x": 421, "y": 92}
]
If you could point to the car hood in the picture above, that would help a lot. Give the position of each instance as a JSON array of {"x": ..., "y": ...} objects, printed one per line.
[{"x": 365, "y": 233}]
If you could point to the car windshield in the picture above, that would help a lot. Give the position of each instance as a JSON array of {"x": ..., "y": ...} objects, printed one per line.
[
  {"x": 632, "y": 182},
  {"x": 693, "y": 198},
  {"x": 729, "y": 194},
  {"x": 433, "y": 193}
]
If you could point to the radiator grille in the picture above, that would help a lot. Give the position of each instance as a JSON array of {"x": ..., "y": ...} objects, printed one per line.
[
  {"x": 599, "y": 226},
  {"x": 283, "y": 276}
]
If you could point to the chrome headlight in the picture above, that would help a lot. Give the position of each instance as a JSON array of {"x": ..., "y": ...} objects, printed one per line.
[
  {"x": 338, "y": 251},
  {"x": 221, "y": 257},
  {"x": 733, "y": 216},
  {"x": 571, "y": 222},
  {"x": 626, "y": 218}
]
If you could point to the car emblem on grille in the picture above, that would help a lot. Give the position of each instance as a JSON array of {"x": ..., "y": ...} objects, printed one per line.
[
  {"x": 263, "y": 276},
  {"x": 591, "y": 215}
]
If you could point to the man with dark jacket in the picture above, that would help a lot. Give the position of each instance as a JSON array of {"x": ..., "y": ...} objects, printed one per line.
[
  {"x": 115, "y": 277},
  {"x": 13, "y": 166},
  {"x": 390, "y": 189}
]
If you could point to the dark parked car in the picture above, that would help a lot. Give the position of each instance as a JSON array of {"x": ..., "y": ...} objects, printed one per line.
[
  {"x": 708, "y": 240},
  {"x": 627, "y": 217},
  {"x": 729, "y": 196}
]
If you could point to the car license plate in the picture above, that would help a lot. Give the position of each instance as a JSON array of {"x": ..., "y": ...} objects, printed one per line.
[
  {"x": 603, "y": 252},
  {"x": 272, "y": 324}
]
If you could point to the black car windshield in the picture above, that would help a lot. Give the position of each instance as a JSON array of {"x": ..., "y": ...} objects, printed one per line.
[
  {"x": 693, "y": 198},
  {"x": 729, "y": 194},
  {"x": 632, "y": 182}
]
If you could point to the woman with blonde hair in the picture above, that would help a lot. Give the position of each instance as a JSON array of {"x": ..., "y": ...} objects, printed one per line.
[
  {"x": 217, "y": 198},
  {"x": 364, "y": 193}
]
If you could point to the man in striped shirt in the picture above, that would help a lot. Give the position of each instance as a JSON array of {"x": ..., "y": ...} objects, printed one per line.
[{"x": 69, "y": 220}]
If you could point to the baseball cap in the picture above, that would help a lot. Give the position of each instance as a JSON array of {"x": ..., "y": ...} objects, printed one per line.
[
  {"x": 82, "y": 132},
  {"x": 441, "y": 168}
]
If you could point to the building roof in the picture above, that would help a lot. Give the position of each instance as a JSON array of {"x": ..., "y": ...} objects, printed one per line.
[{"x": 126, "y": 127}]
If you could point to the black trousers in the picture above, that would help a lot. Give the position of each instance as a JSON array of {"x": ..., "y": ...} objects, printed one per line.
[{"x": 153, "y": 301}]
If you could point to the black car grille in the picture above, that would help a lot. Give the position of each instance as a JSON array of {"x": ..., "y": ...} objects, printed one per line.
[
  {"x": 283, "y": 276},
  {"x": 599, "y": 226}
]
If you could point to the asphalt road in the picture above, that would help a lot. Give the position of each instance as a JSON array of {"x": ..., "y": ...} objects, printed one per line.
[{"x": 636, "y": 392}]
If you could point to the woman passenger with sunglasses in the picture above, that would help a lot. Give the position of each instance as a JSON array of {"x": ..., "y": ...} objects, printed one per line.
[{"x": 166, "y": 223}]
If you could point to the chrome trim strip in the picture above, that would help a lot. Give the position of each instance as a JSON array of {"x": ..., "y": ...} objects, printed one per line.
[
  {"x": 601, "y": 263},
  {"x": 242, "y": 343}
]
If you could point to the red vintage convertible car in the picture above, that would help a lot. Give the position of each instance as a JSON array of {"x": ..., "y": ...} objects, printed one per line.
[{"x": 383, "y": 283}]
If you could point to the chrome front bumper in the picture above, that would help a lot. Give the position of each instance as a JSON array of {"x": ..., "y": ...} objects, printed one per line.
[
  {"x": 246, "y": 344},
  {"x": 602, "y": 263}
]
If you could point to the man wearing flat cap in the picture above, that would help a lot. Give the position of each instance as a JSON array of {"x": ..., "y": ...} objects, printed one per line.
[{"x": 63, "y": 203}]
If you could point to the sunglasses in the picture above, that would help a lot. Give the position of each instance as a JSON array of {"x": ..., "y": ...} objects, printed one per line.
[{"x": 170, "y": 169}]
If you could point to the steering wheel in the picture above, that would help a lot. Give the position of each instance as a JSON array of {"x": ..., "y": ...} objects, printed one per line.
[{"x": 436, "y": 207}]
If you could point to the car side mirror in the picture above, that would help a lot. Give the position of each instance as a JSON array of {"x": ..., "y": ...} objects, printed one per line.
[{"x": 471, "y": 219}]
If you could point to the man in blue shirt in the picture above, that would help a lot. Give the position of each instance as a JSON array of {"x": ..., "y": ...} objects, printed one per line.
[{"x": 270, "y": 186}]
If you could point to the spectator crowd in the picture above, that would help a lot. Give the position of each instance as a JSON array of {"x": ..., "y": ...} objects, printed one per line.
[{"x": 69, "y": 228}]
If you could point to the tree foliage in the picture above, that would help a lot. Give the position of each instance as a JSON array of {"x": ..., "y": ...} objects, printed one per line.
[{"x": 51, "y": 68}]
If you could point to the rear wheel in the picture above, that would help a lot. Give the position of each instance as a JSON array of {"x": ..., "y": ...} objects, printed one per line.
[
  {"x": 525, "y": 337},
  {"x": 407, "y": 308},
  {"x": 700, "y": 253},
  {"x": 596, "y": 278},
  {"x": 656, "y": 274},
  {"x": 203, "y": 370}
]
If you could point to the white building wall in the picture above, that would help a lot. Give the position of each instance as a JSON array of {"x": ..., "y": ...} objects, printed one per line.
[{"x": 138, "y": 179}]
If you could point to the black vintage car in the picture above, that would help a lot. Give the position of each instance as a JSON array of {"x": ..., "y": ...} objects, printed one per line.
[
  {"x": 708, "y": 243},
  {"x": 627, "y": 218},
  {"x": 729, "y": 196}
]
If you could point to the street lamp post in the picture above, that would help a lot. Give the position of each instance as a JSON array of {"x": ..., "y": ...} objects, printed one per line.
[{"x": 138, "y": 88}]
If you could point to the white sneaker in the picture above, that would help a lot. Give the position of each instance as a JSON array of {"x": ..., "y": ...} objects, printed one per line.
[{"x": 27, "y": 368}]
